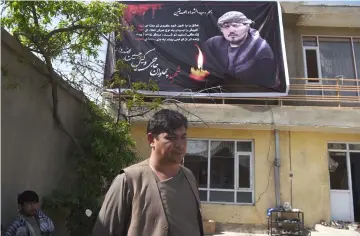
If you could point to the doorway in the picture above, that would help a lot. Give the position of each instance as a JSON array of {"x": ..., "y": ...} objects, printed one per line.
[
  {"x": 344, "y": 172},
  {"x": 355, "y": 176}
]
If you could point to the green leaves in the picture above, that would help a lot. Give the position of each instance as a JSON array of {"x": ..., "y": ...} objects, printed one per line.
[
  {"x": 75, "y": 30},
  {"x": 71, "y": 33},
  {"x": 56, "y": 25},
  {"x": 108, "y": 148}
]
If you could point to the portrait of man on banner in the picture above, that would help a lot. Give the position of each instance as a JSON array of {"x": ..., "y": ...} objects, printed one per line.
[
  {"x": 240, "y": 55},
  {"x": 230, "y": 49}
]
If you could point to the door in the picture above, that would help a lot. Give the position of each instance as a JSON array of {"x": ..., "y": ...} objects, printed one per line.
[
  {"x": 355, "y": 179},
  {"x": 340, "y": 187},
  {"x": 311, "y": 56}
]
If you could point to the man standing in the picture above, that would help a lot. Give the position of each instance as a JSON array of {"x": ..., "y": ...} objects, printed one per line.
[
  {"x": 158, "y": 196},
  {"x": 240, "y": 56},
  {"x": 31, "y": 221}
]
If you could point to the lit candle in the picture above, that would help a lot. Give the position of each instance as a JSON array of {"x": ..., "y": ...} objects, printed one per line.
[
  {"x": 200, "y": 60},
  {"x": 199, "y": 73}
]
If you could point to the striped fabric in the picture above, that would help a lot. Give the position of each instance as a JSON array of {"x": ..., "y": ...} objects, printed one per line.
[{"x": 20, "y": 225}]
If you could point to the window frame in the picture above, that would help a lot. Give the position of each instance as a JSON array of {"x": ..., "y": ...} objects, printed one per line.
[
  {"x": 316, "y": 49},
  {"x": 347, "y": 149},
  {"x": 236, "y": 189},
  {"x": 357, "y": 76}
]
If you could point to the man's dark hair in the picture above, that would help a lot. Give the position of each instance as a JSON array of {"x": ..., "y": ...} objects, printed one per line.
[
  {"x": 27, "y": 196},
  {"x": 166, "y": 121}
]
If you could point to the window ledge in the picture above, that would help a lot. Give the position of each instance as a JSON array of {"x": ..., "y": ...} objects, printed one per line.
[{"x": 227, "y": 203}]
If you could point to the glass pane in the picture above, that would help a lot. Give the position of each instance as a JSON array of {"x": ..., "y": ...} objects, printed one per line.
[
  {"x": 338, "y": 146},
  {"x": 196, "y": 160},
  {"x": 355, "y": 147},
  {"x": 217, "y": 196},
  {"x": 244, "y": 171},
  {"x": 244, "y": 197},
  {"x": 339, "y": 173},
  {"x": 309, "y": 41},
  {"x": 336, "y": 61},
  {"x": 222, "y": 164},
  {"x": 244, "y": 146},
  {"x": 357, "y": 55},
  {"x": 203, "y": 195}
]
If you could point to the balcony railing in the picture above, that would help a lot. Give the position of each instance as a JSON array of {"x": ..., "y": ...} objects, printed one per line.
[
  {"x": 334, "y": 92},
  {"x": 320, "y": 92}
]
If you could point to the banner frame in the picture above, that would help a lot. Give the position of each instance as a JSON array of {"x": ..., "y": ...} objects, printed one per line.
[{"x": 200, "y": 94}]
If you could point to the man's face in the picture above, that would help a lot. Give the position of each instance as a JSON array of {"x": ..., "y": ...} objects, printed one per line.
[
  {"x": 235, "y": 32},
  {"x": 171, "y": 148},
  {"x": 29, "y": 208}
]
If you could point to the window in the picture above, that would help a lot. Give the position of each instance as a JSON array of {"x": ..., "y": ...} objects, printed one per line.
[
  {"x": 356, "y": 44},
  {"x": 223, "y": 170},
  {"x": 332, "y": 57},
  {"x": 310, "y": 41},
  {"x": 341, "y": 164},
  {"x": 339, "y": 177},
  {"x": 312, "y": 64}
]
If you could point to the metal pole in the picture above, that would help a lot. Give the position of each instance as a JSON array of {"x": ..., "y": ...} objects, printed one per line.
[{"x": 277, "y": 168}]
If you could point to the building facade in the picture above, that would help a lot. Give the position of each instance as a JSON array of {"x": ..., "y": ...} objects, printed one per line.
[{"x": 251, "y": 154}]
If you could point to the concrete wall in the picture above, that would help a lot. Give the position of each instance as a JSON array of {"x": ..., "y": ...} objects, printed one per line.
[
  {"x": 35, "y": 152},
  {"x": 307, "y": 153},
  {"x": 289, "y": 118}
]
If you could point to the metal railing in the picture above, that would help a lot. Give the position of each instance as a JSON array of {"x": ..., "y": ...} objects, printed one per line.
[{"x": 333, "y": 92}]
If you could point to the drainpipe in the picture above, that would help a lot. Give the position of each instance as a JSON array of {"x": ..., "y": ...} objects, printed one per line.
[{"x": 277, "y": 168}]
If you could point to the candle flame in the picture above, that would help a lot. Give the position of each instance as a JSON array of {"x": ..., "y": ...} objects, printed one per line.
[{"x": 200, "y": 59}]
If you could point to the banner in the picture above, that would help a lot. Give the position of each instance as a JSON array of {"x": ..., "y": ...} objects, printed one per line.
[{"x": 228, "y": 49}]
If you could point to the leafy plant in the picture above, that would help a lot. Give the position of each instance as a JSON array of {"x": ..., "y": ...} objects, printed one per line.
[
  {"x": 71, "y": 33},
  {"x": 107, "y": 148}
]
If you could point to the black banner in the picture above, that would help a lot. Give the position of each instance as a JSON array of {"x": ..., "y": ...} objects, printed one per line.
[{"x": 230, "y": 49}]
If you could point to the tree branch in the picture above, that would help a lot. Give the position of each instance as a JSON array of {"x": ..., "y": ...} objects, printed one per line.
[
  {"x": 17, "y": 34},
  {"x": 55, "y": 103},
  {"x": 171, "y": 100},
  {"x": 54, "y": 93},
  {"x": 33, "y": 10},
  {"x": 191, "y": 113},
  {"x": 68, "y": 29},
  {"x": 84, "y": 76},
  {"x": 119, "y": 111}
]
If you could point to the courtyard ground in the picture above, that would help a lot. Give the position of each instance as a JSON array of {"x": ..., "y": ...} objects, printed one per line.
[{"x": 319, "y": 231}]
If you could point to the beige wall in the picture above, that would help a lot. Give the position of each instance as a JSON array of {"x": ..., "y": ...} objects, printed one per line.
[
  {"x": 35, "y": 152},
  {"x": 309, "y": 162}
]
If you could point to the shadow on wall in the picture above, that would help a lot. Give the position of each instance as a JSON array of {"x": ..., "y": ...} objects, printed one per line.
[{"x": 34, "y": 150}]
